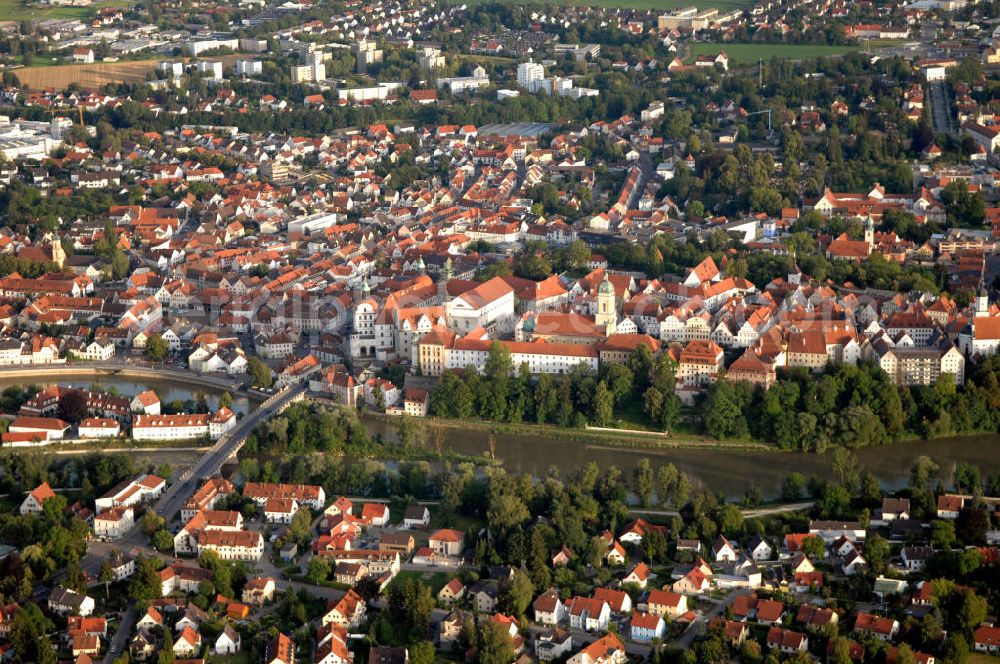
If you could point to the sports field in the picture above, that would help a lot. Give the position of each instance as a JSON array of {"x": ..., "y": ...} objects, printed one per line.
[
  {"x": 19, "y": 10},
  {"x": 742, "y": 54},
  {"x": 658, "y": 5}
]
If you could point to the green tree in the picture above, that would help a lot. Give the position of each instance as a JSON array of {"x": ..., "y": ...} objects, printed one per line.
[
  {"x": 495, "y": 646},
  {"x": 877, "y": 554},
  {"x": 845, "y": 466},
  {"x": 619, "y": 379},
  {"x": 641, "y": 364},
  {"x": 813, "y": 547},
  {"x": 74, "y": 576},
  {"x": 793, "y": 488},
  {"x": 496, "y": 377},
  {"x": 730, "y": 519},
  {"x": 226, "y": 400},
  {"x": 971, "y": 526},
  {"x": 923, "y": 471},
  {"x": 840, "y": 651},
  {"x": 943, "y": 534},
  {"x": 162, "y": 540},
  {"x": 410, "y": 604},
  {"x": 603, "y": 405},
  {"x": 905, "y": 654},
  {"x": 260, "y": 373},
  {"x": 516, "y": 594},
  {"x": 319, "y": 569},
  {"x": 156, "y": 348},
  {"x": 967, "y": 478},
  {"x": 106, "y": 575},
  {"x": 576, "y": 254},
  {"x": 119, "y": 264},
  {"x": 422, "y": 652},
  {"x": 151, "y": 522},
  {"x": 146, "y": 583},
  {"x": 725, "y": 411},
  {"x": 652, "y": 404},
  {"x": 643, "y": 482},
  {"x": 507, "y": 512},
  {"x": 666, "y": 483},
  {"x": 166, "y": 655}
]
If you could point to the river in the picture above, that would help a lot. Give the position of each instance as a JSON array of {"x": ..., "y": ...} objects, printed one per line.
[
  {"x": 166, "y": 389},
  {"x": 730, "y": 472}
]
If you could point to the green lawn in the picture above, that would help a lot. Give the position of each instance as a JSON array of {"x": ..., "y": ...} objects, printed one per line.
[
  {"x": 630, "y": 415},
  {"x": 18, "y": 10},
  {"x": 435, "y": 580},
  {"x": 742, "y": 54},
  {"x": 44, "y": 61},
  {"x": 442, "y": 519},
  {"x": 661, "y": 5},
  {"x": 241, "y": 658}
]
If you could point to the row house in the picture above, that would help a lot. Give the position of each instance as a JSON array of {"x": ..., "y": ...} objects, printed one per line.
[{"x": 183, "y": 427}]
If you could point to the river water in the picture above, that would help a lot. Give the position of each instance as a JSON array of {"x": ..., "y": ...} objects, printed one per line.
[
  {"x": 730, "y": 472},
  {"x": 167, "y": 390}
]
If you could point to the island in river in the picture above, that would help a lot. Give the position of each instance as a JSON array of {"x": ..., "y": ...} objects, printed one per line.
[{"x": 731, "y": 471}]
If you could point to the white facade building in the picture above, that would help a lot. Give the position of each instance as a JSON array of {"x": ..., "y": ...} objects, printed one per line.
[{"x": 183, "y": 427}]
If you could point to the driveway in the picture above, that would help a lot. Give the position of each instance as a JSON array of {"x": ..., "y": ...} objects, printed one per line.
[{"x": 122, "y": 635}]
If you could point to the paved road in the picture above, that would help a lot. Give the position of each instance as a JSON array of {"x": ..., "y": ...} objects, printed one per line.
[
  {"x": 942, "y": 119},
  {"x": 687, "y": 638},
  {"x": 165, "y": 371},
  {"x": 208, "y": 465},
  {"x": 748, "y": 514},
  {"x": 583, "y": 638},
  {"x": 122, "y": 635},
  {"x": 211, "y": 463}
]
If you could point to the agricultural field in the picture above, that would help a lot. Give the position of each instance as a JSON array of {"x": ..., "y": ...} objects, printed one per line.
[
  {"x": 658, "y": 5},
  {"x": 980, "y": 658},
  {"x": 90, "y": 76},
  {"x": 18, "y": 10},
  {"x": 744, "y": 54}
]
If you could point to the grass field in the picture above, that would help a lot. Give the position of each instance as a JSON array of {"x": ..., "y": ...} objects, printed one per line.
[
  {"x": 18, "y": 10},
  {"x": 980, "y": 658},
  {"x": 742, "y": 54},
  {"x": 240, "y": 658},
  {"x": 434, "y": 580},
  {"x": 659, "y": 5},
  {"x": 89, "y": 76}
]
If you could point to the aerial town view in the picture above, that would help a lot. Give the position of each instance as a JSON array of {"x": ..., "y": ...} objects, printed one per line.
[{"x": 443, "y": 331}]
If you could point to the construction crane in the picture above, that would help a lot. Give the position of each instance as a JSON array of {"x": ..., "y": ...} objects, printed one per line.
[
  {"x": 53, "y": 111},
  {"x": 768, "y": 111}
]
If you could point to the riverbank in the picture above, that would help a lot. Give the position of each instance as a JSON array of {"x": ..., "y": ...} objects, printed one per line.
[
  {"x": 612, "y": 437},
  {"x": 112, "y": 445},
  {"x": 593, "y": 436},
  {"x": 724, "y": 466},
  {"x": 120, "y": 370},
  {"x": 130, "y": 382}
]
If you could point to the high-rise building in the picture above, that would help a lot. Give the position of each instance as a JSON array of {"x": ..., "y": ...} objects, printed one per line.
[{"x": 528, "y": 73}]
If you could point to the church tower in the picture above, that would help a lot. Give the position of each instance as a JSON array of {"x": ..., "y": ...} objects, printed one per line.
[
  {"x": 982, "y": 302},
  {"x": 58, "y": 253},
  {"x": 870, "y": 233},
  {"x": 442, "y": 284},
  {"x": 607, "y": 311}
]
